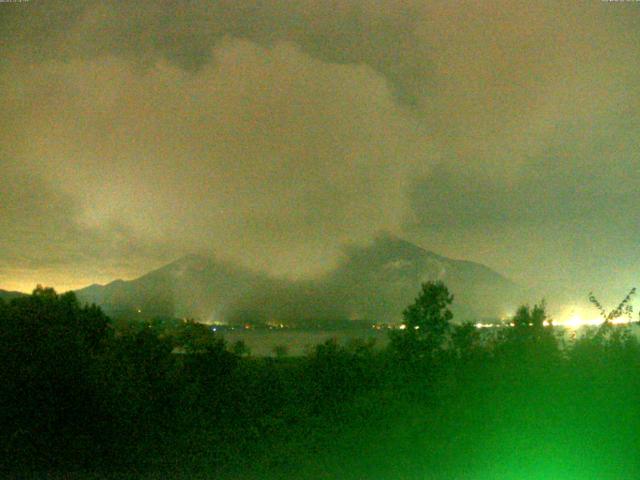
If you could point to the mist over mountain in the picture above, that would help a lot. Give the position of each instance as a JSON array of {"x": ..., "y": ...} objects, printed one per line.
[
  {"x": 381, "y": 279},
  {"x": 193, "y": 286},
  {"x": 373, "y": 282}
]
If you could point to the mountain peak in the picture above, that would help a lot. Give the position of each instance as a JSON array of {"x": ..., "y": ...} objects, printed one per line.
[
  {"x": 387, "y": 248},
  {"x": 189, "y": 262},
  {"x": 375, "y": 281},
  {"x": 391, "y": 242},
  {"x": 193, "y": 259}
]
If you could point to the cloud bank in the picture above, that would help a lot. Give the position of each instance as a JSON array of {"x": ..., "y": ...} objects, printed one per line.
[{"x": 270, "y": 133}]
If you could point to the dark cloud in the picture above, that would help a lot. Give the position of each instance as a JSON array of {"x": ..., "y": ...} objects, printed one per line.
[
  {"x": 566, "y": 217},
  {"x": 421, "y": 48},
  {"x": 271, "y": 132},
  {"x": 559, "y": 186},
  {"x": 41, "y": 232},
  {"x": 267, "y": 157},
  {"x": 378, "y": 34},
  {"x": 31, "y": 216}
]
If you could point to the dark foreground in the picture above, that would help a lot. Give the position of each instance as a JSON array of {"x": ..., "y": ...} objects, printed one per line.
[{"x": 84, "y": 398}]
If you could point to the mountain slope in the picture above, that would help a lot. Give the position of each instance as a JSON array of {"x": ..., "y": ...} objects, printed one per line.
[
  {"x": 380, "y": 280},
  {"x": 193, "y": 286},
  {"x": 7, "y": 295},
  {"x": 373, "y": 282}
]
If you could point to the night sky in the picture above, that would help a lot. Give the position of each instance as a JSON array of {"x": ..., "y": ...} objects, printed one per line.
[{"x": 271, "y": 133}]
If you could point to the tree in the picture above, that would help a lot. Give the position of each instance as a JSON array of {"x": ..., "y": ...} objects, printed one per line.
[
  {"x": 466, "y": 340},
  {"x": 624, "y": 308},
  {"x": 427, "y": 323},
  {"x": 280, "y": 351},
  {"x": 530, "y": 339},
  {"x": 608, "y": 340},
  {"x": 48, "y": 347},
  {"x": 532, "y": 319},
  {"x": 240, "y": 348},
  {"x": 194, "y": 337}
]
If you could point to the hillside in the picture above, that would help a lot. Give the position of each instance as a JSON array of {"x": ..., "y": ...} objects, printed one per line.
[
  {"x": 7, "y": 295},
  {"x": 373, "y": 282}
]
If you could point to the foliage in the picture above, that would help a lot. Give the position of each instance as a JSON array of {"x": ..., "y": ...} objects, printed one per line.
[
  {"x": 532, "y": 340},
  {"x": 281, "y": 351},
  {"x": 171, "y": 399},
  {"x": 426, "y": 324},
  {"x": 624, "y": 308},
  {"x": 48, "y": 344}
]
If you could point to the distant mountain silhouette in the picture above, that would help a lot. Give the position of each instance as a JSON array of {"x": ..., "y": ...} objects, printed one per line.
[
  {"x": 7, "y": 295},
  {"x": 373, "y": 282},
  {"x": 381, "y": 279},
  {"x": 193, "y": 286}
]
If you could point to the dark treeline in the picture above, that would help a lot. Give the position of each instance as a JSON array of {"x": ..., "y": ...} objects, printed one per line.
[{"x": 82, "y": 395}]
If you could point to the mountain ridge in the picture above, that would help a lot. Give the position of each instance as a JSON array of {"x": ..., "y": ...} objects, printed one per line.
[
  {"x": 7, "y": 295},
  {"x": 374, "y": 282}
]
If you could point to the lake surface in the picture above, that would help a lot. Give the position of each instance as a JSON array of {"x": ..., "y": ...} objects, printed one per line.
[{"x": 262, "y": 342}]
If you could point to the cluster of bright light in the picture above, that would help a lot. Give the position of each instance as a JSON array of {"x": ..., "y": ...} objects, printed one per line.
[
  {"x": 576, "y": 320},
  {"x": 485, "y": 325},
  {"x": 576, "y": 317},
  {"x": 572, "y": 317}
]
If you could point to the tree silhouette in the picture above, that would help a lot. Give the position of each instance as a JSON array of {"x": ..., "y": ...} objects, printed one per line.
[
  {"x": 280, "y": 351},
  {"x": 426, "y": 325},
  {"x": 624, "y": 308},
  {"x": 531, "y": 340},
  {"x": 48, "y": 345},
  {"x": 465, "y": 340},
  {"x": 532, "y": 319}
]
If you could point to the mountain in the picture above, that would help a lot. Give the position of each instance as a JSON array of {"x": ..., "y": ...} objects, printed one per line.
[
  {"x": 193, "y": 286},
  {"x": 381, "y": 279},
  {"x": 7, "y": 295},
  {"x": 374, "y": 282}
]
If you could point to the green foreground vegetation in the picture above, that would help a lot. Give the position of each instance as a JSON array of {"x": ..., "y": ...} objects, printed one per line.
[{"x": 84, "y": 397}]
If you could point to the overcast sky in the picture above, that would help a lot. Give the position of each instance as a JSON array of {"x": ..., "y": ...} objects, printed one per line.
[{"x": 273, "y": 132}]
